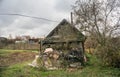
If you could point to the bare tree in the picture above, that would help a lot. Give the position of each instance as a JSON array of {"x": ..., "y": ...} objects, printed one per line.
[{"x": 98, "y": 18}]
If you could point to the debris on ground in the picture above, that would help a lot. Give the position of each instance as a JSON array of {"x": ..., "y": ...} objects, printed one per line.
[
  {"x": 52, "y": 59},
  {"x": 34, "y": 63}
]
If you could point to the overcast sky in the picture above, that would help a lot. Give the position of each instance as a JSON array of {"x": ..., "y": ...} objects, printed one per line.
[{"x": 17, "y": 25}]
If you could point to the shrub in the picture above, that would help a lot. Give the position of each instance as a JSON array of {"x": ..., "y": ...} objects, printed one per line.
[{"x": 110, "y": 53}]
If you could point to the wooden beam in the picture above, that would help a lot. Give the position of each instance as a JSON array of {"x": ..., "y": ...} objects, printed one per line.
[{"x": 40, "y": 50}]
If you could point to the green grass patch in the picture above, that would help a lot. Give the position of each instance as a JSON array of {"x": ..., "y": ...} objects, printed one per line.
[
  {"x": 93, "y": 68},
  {"x": 23, "y": 70}
]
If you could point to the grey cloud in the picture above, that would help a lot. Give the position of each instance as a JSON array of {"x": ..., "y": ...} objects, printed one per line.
[
  {"x": 64, "y": 5},
  {"x": 6, "y": 20},
  {"x": 16, "y": 25}
]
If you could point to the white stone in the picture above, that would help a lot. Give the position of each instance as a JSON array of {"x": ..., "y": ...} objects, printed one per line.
[{"x": 34, "y": 63}]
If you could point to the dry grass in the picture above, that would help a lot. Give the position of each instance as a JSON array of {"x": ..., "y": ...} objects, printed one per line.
[{"x": 16, "y": 57}]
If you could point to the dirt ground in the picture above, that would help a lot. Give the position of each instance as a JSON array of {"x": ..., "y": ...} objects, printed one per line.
[{"x": 16, "y": 57}]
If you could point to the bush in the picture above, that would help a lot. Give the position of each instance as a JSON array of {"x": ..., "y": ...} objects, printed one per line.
[{"x": 110, "y": 53}]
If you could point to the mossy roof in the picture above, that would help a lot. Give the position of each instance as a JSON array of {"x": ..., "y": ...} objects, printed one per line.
[{"x": 60, "y": 34}]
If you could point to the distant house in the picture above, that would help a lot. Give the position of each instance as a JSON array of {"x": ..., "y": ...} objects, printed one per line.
[
  {"x": 20, "y": 40},
  {"x": 3, "y": 42},
  {"x": 64, "y": 37},
  {"x": 33, "y": 40},
  {"x": 3, "y": 39}
]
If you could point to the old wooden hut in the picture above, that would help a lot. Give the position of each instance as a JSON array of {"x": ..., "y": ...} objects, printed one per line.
[{"x": 64, "y": 37}]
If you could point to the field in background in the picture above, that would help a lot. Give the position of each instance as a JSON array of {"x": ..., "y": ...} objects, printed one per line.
[
  {"x": 23, "y": 46},
  {"x": 14, "y": 63}
]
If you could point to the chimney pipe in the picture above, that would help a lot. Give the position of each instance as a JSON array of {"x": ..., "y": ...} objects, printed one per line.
[{"x": 71, "y": 18}]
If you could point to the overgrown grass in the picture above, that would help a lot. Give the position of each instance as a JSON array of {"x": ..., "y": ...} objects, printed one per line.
[
  {"x": 93, "y": 68},
  {"x": 22, "y": 70}
]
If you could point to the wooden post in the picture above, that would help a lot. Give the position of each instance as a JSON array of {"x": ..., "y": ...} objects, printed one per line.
[
  {"x": 83, "y": 47},
  {"x": 68, "y": 46},
  {"x": 40, "y": 50}
]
